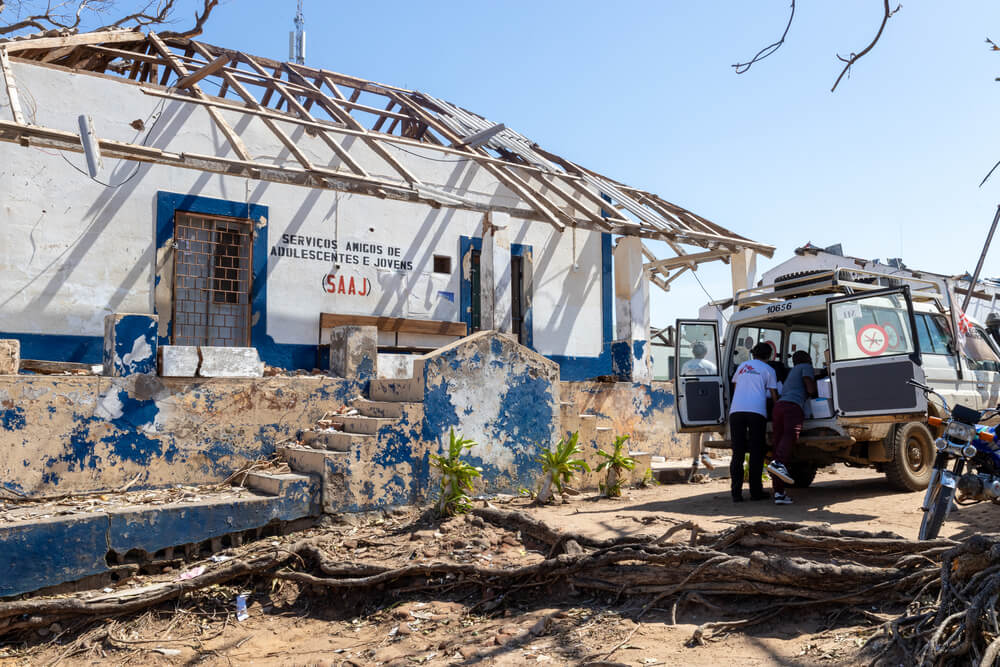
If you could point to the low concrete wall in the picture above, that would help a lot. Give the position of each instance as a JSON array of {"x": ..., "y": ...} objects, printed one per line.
[
  {"x": 498, "y": 393},
  {"x": 85, "y": 433},
  {"x": 646, "y": 412}
]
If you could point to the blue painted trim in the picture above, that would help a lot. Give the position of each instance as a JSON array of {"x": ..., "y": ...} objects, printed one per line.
[
  {"x": 465, "y": 244},
  {"x": 519, "y": 250},
  {"x": 575, "y": 369},
  {"x": 570, "y": 368},
  {"x": 58, "y": 347},
  {"x": 607, "y": 291},
  {"x": 288, "y": 356}
]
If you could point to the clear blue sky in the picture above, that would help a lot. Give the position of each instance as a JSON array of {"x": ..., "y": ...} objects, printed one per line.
[{"x": 643, "y": 92}]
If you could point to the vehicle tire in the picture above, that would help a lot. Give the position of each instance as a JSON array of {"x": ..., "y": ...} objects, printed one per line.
[
  {"x": 803, "y": 473},
  {"x": 913, "y": 458},
  {"x": 934, "y": 517}
]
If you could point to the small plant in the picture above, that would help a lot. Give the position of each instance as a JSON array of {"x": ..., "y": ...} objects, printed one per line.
[
  {"x": 616, "y": 462},
  {"x": 558, "y": 465},
  {"x": 456, "y": 476},
  {"x": 647, "y": 480}
]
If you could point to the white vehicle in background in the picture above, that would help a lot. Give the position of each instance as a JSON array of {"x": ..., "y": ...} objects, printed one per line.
[{"x": 867, "y": 335}]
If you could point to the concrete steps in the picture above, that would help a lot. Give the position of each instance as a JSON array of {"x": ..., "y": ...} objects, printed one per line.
[
  {"x": 334, "y": 441},
  {"x": 273, "y": 484},
  {"x": 363, "y": 424},
  {"x": 677, "y": 472}
]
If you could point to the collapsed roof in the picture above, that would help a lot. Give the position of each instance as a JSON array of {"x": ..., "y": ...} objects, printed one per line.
[{"x": 337, "y": 107}]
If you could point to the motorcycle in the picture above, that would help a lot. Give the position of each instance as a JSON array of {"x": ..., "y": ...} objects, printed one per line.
[{"x": 967, "y": 442}]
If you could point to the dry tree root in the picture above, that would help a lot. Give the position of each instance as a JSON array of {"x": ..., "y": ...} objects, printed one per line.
[
  {"x": 786, "y": 564},
  {"x": 953, "y": 620}
]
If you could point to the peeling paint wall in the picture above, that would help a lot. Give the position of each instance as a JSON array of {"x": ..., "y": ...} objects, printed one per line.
[
  {"x": 498, "y": 393},
  {"x": 646, "y": 412},
  {"x": 83, "y": 433}
]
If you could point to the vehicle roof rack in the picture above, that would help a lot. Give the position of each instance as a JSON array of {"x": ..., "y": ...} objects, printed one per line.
[{"x": 840, "y": 280}]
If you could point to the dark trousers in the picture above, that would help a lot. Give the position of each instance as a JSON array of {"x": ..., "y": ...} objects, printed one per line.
[
  {"x": 748, "y": 430},
  {"x": 788, "y": 418}
]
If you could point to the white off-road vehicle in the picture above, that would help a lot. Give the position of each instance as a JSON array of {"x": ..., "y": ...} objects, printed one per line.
[{"x": 867, "y": 334}]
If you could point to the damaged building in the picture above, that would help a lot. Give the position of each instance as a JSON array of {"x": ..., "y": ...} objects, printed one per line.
[{"x": 189, "y": 231}]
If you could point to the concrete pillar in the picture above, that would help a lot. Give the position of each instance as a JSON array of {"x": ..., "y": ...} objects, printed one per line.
[
  {"x": 129, "y": 344},
  {"x": 354, "y": 352},
  {"x": 630, "y": 351},
  {"x": 10, "y": 356},
  {"x": 494, "y": 274},
  {"x": 743, "y": 266}
]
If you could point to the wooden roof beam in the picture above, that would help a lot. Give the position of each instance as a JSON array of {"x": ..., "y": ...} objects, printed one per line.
[
  {"x": 234, "y": 139},
  {"x": 211, "y": 68}
]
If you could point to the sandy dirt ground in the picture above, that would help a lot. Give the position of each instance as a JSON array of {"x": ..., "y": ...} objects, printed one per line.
[{"x": 291, "y": 626}]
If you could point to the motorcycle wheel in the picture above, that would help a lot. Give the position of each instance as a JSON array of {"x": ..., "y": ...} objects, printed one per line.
[{"x": 934, "y": 517}]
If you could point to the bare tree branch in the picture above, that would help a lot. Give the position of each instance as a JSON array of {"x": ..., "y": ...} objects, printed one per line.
[
  {"x": 855, "y": 57},
  {"x": 199, "y": 21},
  {"x": 767, "y": 50},
  {"x": 70, "y": 14}
]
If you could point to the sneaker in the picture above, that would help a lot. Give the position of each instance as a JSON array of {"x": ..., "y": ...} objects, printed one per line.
[
  {"x": 707, "y": 462},
  {"x": 780, "y": 471},
  {"x": 782, "y": 499}
]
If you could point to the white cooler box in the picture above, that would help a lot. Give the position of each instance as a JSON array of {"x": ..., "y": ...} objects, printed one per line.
[{"x": 818, "y": 408}]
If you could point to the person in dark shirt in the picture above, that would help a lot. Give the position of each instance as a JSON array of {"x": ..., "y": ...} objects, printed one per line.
[{"x": 789, "y": 413}]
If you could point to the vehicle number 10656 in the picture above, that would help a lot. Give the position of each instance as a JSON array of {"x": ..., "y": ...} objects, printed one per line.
[{"x": 779, "y": 307}]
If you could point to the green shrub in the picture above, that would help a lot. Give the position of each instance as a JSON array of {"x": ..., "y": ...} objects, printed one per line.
[
  {"x": 558, "y": 465},
  {"x": 456, "y": 476}
]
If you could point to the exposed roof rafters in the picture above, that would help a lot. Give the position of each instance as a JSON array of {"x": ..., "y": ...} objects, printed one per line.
[{"x": 387, "y": 119}]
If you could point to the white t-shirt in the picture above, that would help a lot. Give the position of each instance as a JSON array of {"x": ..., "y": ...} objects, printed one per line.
[{"x": 753, "y": 379}]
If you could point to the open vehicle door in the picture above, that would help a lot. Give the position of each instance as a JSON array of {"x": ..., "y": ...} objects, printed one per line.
[
  {"x": 698, "y": 377},
  {"x": 873, "y": 352}
]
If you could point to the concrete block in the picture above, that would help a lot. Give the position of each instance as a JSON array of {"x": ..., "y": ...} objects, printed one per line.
[
  {"x": 230, "y": 362},
  {"x": 395, "y": 366},
  {"x": 10, "y": 356},
  {"x": 179, "y": 361},
  {"x": 354, "y": 352},
  {"x": 408, "y": 390},
  {"x": 387, "y": 409},
  {"x": 130, "y": 342}
]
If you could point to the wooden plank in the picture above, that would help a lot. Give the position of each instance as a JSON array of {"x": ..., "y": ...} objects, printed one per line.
[
  {"x": 8, "y": 77},
  {"x": 57, "y": 367},
  {"x": 234, "y": 139},
  {"x": 108, "y": 37},
  {"x": 395, "y": 324},
  {"x": 210, "y": 68}
]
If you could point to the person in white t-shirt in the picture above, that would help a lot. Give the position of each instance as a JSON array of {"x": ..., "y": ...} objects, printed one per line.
[
  {"x": 699, "y": 365},
  {"x": 753, "y": 381}
]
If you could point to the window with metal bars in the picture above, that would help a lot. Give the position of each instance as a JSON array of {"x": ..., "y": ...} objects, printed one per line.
[{"x": 212, "y": 262}]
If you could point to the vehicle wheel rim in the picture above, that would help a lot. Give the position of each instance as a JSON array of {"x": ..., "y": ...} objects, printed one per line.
[{"x": 915, "y": 458}]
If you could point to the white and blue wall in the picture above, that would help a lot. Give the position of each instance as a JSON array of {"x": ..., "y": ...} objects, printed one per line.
[{"x": 73, "y": 250}]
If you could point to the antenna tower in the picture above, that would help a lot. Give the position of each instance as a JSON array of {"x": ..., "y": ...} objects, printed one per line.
[{"x": 297, "y": 39}]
